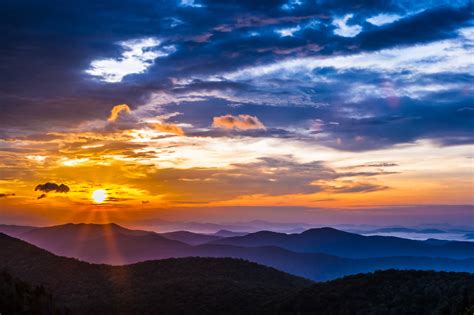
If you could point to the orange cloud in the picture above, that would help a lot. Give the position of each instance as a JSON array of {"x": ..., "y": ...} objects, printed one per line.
[
  {"x": 114, "y": 114},
  {"x": 168, "y": 128},
  {"x": 242, "y": 122}
]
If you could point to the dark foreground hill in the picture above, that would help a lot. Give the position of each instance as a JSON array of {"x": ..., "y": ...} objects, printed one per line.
[
  {"x": 218, "y": 286},
  {"x": 19, "y": 297},
  {"x": 386, "y": 292},
  {"x": 186, "y": 285},
  {"x": 113, "y": 244}
]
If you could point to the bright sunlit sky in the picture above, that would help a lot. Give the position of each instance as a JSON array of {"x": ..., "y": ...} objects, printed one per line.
[{"x": 288, "y": 111}]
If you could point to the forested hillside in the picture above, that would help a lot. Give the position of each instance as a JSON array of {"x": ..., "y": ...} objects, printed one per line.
[
  {"x": 387, "y": 292},
  {"x": 185, "y": 285},
  {"x": 19, "y": 297}
]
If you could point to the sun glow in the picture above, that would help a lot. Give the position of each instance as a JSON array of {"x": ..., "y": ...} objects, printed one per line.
[{"x": 99, "y": 195}]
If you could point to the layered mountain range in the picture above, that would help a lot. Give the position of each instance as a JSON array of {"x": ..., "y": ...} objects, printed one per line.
[
  {"x": 36, "y": 281},
  {"x": 317, "y": 254}
]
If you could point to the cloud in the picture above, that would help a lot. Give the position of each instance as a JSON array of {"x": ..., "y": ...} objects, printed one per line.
[
  {"x": 268, "y": 176},
  {"x": 4, "y": 195},
  {"x": 41, "y": 196},
  {"x": 427, "y": 26},
  {"x": 344, "y": 30},
  {"x": 116, "y": 110},
  {"x": 115, "y": 199},
  {"x": 372, "y": 164},
  {"x": 102, "y": 33},
  {"x": 271, "y": 176},
  {"x": 190, "y": 3},
  {"x": 382, "y": 19},
  {"x": 52, "y": 187},
  {"x": 168, "y": 128},
  {"x": 288, "y": 32},
  {"x": 358, "y": 188},
  {"x": 291, "y": 5},
  {"x": 242, "y": 122},
  {"x": 137, "y": 56},
  {"x": 382, "y": 164},
  {"x": 453, "y": 55}
]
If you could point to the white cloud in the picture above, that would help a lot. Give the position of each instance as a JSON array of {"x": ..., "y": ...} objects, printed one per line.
[
  {"x": 359, "y": 92},
  {"x": 175, "y": 22},
  {"x": 467, "y": 33},
  {"x": 407, "y": 65},
  {"x": 138, "y": 55},
  {"x": 285, "y": 32},
  {"x": 263, "y": 96},
  {"x": 408, "y": 68},
  {"x": 454, "y": 55},
  {"x": 382, "y": 19},
  {"x": 190, "y": 3},
  {"x": 291, "y": 5},
  {"x": 314, "y": 24},
  {"x": 342, "y": 29}
]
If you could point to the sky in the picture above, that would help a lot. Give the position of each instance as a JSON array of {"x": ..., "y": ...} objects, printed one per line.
[{"x": 290, "y": 111}]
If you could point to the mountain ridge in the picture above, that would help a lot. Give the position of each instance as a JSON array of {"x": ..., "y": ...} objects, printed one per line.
[
  {"x": 350, "y": 245},
  {"x": 116, "y": 245}
]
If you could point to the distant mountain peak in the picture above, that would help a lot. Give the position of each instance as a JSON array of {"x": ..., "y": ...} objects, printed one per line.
[
  {"x": 267, "y": 233},
  {"x": 323, "y": 229},
  {"x": 91, "y": 224}
]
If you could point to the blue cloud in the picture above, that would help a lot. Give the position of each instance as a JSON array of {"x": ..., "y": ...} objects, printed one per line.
[{"x": 357, "y": 107}]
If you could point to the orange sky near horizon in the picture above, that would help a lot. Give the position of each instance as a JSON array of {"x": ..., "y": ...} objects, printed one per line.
[{"x": 142, "y": 167}]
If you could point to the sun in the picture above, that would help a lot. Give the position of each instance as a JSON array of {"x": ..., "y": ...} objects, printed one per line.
[{"x": 99, "y": 195}]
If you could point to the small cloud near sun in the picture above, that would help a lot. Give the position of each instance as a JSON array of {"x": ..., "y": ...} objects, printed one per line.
[{"x": 52, "y": 187}]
